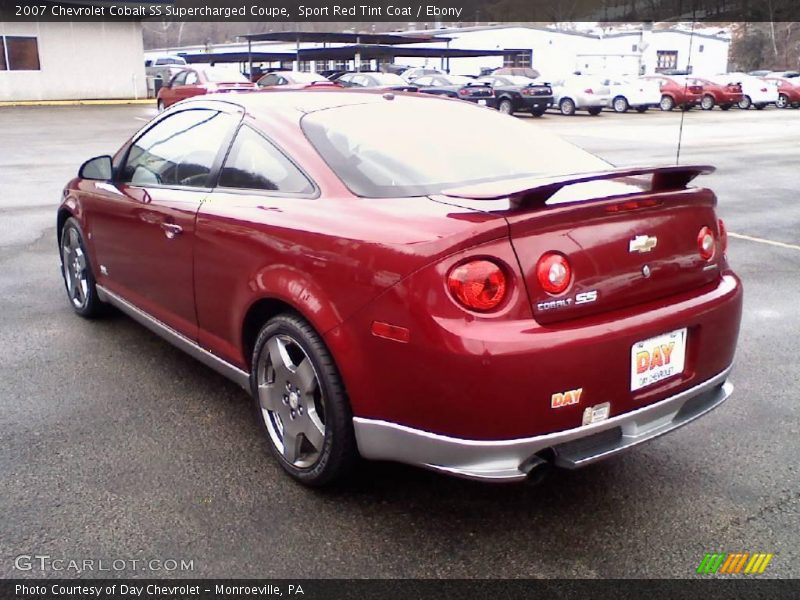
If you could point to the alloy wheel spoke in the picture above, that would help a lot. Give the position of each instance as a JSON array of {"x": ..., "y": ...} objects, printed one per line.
[
  {"x": 314, "y": 430},
  {"x": 269, "y": 396},
  {"x": 305, "y": 377},
  {"x": 279, "y": 356},
  {"x": 291, "y": 445}
]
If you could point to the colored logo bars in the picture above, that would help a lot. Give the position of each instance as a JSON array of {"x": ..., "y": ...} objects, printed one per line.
[{"x": 734, "y": 563}]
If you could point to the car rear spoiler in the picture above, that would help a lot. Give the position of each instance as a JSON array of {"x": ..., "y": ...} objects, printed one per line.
[{"x": 537, "y": 190}]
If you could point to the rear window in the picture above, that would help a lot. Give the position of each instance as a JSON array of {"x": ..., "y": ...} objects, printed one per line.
[
  {"x": 225, "y": 76},
  {"x": 415, "y": 147}
]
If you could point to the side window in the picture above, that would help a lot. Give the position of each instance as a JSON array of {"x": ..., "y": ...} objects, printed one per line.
[
  {"x": 360, "y": 80},
  {"x": 179, "y": 78},
  {"x": 425, "y": 81},
  {"x": 178, "y": 151},
  {"x": 255, "y": 164},
  {"x": 269, "y": 80},
  {"x": 191, "y": 78}
]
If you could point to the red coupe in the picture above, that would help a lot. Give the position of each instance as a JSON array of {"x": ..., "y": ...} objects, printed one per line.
[
  {"x": 788, "y": 91},
  {"x": 723, "y": 95},
  {"x": 383, "y": 285},
  {"x": 677, "y": 91},
  {"x": 198, "y": 81}
]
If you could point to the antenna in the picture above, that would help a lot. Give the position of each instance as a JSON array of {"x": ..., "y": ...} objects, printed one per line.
[{"x": 689, "y": 70}]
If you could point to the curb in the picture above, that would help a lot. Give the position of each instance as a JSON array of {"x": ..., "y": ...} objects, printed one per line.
[{"x": 76, "y": 102}]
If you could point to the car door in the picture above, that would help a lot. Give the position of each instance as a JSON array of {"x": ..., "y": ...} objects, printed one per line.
[
  {"x": 191, "y": 87},
  {"x": 247, "y": 238},
  {"x": 142, "y": 223}
]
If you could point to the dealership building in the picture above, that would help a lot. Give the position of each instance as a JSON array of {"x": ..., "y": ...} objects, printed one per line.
[
  {"x": 71, "y": 60},
  {"x": 553, "y": 52}
]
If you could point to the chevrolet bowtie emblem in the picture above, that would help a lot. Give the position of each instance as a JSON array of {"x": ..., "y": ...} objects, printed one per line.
[{"x": 642, "y": 243}]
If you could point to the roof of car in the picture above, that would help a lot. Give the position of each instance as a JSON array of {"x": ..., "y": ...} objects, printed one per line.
[{"x": 307, "y": 101}]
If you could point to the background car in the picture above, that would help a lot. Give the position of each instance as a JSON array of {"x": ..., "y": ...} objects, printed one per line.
[
  {"x": 409, "y": 75},
  {"x": 788, "y": 91},
  {"x": 513, "y": 93},
  {"x": 636, "y": 93},
  {"x": 455, "y": 86},
  {"x": 581, "y": 92},
  {"x": 379, "y": 81},
  {"x": 755, "y": 91},
  {"x": 528, "y": 72},
  {"x": 292, "y": 80},
  {"x": 677, "y": 91},
  {"x": 718, "y": 92},
  {"x": 197, "y": 81}
]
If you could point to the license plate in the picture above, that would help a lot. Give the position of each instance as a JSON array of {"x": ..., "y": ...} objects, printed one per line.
[
  {"x": 481, "y": 102},
  {"x": 658, "y": 358}
]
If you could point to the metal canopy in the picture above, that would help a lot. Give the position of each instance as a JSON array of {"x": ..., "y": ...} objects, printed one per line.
[
  {"x": 342, "y": 38},
  {"x": 370, "y": 52},
  {"x": 238, "y": 57}
]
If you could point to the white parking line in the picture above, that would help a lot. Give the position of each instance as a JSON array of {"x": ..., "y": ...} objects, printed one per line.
[{"x": 750, "y": 238}]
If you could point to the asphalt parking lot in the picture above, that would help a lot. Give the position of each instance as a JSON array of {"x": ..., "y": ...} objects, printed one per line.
[{"x": 115, "y": 445}]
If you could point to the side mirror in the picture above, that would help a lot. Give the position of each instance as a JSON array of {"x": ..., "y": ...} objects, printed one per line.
[{"x": 98, "y": 168}]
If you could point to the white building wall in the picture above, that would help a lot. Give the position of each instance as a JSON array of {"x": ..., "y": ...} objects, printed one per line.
[{"x": 78, "y": 61}]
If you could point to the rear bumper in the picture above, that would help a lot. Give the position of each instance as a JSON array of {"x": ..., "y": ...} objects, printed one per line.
[
  {"x": 507, "y": 460},
  {"x": 536, "y": 102}
]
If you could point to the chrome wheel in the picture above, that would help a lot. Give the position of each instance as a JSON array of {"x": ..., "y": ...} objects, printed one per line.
[
  {"x": 667, "y": 103},
  {"x": 707, "y": 103},
  {"x": 74, "y": 263},
  {"x": 783, "y": 101},
  {"x": 291, "y": 401},
  {"x": 620, "y": 104},
  {"x": 505, "y": 107}
]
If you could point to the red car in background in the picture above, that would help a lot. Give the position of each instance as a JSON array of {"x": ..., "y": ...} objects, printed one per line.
[
  {"x": 293, "y": 80},
  {"x": 788, "y": 91},
  {"x": 461, "y": 304},
  {"x": 198, "y": 81},
  {"x": 723, "y": 95},
  {"x": 677, "y": 91}
]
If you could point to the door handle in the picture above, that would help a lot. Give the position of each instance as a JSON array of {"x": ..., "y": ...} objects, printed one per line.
[{"x": 171, "y": 230}]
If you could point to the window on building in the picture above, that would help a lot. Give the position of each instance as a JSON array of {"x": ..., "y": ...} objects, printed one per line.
[
  {"x": 702, "y": 47},
  {"x": 517, "y": 58},
  {"x": 666, "y": 60},
  {"x": 320, "y": 65},
  {"x": 635, "y": 48},
  {"x": 19, "y": 53},
  {"x": 304, "y": 65}
]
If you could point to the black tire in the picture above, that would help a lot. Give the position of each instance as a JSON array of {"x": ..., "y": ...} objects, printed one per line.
[
  {"x": 641, "y": 109},
  {"x": 667, "y": 103},
  {"x": 338, "y": 453},
  {"x": 76, "y": 270},
  {"x": 594, "y": 110},
  {"x": 783, "y": 101},
  {"x": 745, "y": 102},
  {"x": 707, "y": 103},
  {"x": 620, "y": 104},
  {"x": 506, "y": 107},
  {"x": 537, "y": 112},
  {"x": 567, "y": 107}
]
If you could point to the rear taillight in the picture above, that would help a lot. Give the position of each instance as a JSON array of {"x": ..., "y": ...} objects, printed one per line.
[
  {"x": 723, "y": 236},
  {"x": 553, "y": 272},
  {"x": 463, "y": 92},
  {"x": 479, "y": 285},
  {"x": 706, "y": 243}
]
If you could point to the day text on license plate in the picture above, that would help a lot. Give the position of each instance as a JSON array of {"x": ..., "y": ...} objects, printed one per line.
[{"x": 657, "y": 358}]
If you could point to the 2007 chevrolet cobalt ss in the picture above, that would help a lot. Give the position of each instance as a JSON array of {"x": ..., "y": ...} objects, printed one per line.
[{"x": 410, "y": 278}]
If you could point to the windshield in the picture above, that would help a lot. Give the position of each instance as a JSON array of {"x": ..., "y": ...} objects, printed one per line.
[
  {"x": 518, "y": 79},
  {"x": 300, "y": 77},
  {"x": 404, "y": 148},
  {"x": 389, "y": 79},
  {"x": 457, "y": 79},
  {"x": 224, "y": 76}
]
